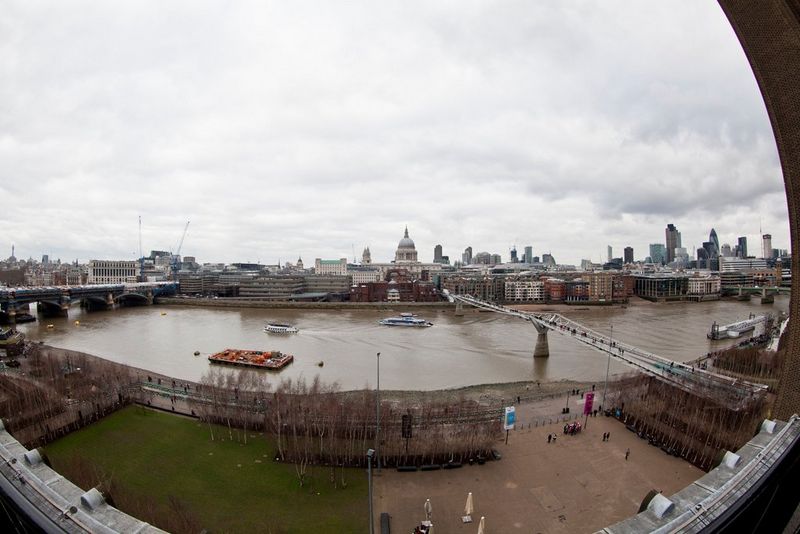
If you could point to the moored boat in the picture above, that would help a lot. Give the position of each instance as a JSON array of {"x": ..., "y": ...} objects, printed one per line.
[
  {"x": 272, "y": 360},
  {"x": 10, "y": 337},
  {"x": 736, "y": 329},
  {"x": 277, "y": 328}
]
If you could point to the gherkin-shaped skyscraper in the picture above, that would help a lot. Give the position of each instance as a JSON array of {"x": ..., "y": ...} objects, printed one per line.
[{"x": 712, "y": 237}]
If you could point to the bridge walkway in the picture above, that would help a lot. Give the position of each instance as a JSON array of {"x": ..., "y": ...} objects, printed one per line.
[{"x": 692, "y": 379}]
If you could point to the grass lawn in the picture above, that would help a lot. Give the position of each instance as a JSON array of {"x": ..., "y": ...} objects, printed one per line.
[{"x": 231, "y": 487}]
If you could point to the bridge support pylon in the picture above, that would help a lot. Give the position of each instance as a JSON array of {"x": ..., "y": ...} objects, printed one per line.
[
  {"x": 459, "y": 309},
  {"x": 542, "y": 349},
  {"x": 767, "y": 297}
]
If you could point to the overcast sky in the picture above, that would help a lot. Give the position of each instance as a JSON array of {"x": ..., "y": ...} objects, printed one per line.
[{"x": 287, "y": 129}]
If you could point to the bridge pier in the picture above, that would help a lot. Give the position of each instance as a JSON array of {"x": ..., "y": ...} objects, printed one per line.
[
  {"x": 542, "y": 349},
  {"x": 50, "y": 308},
  {"x": 743, "y": 295},
  {"x": 459, "y": 309},
  {"x": 767, "y": 297}
]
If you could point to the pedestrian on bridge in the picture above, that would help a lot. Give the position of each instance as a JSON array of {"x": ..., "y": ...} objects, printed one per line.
[{"x": 627, "y": 452}]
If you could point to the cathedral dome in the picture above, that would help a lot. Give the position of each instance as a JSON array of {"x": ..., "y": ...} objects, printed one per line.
[
  {"x": 406, "y": 251},
  {"x": 406, "y": 242}
]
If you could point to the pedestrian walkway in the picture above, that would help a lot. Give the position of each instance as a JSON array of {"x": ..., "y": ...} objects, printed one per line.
[{"x": 578, "y": 483}]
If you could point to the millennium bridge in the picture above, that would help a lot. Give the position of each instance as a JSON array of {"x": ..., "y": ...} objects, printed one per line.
[
  {"x": 56, "y": 300},
  {"x": 687, "y": 377}
]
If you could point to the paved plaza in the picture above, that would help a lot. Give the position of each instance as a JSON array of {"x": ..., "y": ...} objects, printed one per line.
[{"x": 579, "y": 483}]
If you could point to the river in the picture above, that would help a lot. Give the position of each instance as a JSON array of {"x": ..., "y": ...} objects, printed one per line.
[{"x": 477, "y": 348}]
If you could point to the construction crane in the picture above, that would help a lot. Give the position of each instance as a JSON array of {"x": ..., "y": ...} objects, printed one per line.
[
  {"x": 141, "y": 254},
  {"x": 174, "y": 258}
]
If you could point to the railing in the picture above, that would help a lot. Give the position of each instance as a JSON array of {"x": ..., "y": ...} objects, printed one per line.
[{"x": 686, "y": 377}]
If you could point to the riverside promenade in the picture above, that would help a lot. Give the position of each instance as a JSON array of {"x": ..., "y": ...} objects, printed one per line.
[{"x": 579, "y": 483}]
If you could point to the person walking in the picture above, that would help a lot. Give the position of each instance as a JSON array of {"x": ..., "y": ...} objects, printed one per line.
[
  {"x": 608, "y": 436},
  {"x": 627, "y": 452},
  {"x": 549, "y": 438}
]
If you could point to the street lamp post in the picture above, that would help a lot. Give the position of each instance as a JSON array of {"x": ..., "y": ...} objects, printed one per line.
[
  {"x": 608, "y": 365},
  {"x": 378, "y": 415},
  {"x": 370, "y": 453}
]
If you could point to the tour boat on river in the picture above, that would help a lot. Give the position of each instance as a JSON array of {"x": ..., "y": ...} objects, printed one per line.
[
  {"x": 405, "y": 319},
  {"x": 277, "y": 328},
  {"x": 253, "y": 358}
]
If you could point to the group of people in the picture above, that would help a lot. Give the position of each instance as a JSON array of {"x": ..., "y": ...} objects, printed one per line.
[{"x": 572, "y": 428}]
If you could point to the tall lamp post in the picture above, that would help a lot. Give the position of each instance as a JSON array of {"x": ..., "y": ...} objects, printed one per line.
[
  {"x": 370, "y": 453},
  {"x": 608, "y": 364},
  {"x": 378, "y": 415}
]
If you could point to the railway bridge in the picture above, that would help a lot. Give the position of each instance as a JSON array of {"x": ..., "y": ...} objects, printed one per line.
[{"x": 56, "y": 300}]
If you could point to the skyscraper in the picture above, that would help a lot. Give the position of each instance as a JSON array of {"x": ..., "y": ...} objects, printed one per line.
[
  {"x": 742, "y": 246},
  {"x": 712, "y": 238},
  {"x": 437, "y": 254},
  {"x": 673, "y": 238},
  {"x": 466, "y": 258},
  {"x": 528, "y": 254},
  {"x": 702, "y": 258},
  {"x": 766, "y": 246},
  {"x": 514, "y": 254},
  {"x": 628, "y": 255},
  {"x": 610, "y": 253},
  {"x": 708, "y": 246},
  {"x": 658, "y": 254}
]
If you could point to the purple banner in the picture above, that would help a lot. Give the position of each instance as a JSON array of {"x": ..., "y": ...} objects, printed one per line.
[{"x": 588, "y": 401}]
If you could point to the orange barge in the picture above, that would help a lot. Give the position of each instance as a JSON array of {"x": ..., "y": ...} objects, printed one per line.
[{"x": 253, "y": 358}]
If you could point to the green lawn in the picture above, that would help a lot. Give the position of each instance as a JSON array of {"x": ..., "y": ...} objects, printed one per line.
[{"x": 231, "y": 487}]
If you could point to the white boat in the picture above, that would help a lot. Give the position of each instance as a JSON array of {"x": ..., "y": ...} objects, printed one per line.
[
  {"x": 277, "y": 328},
  {"x": 405, "y": 319}
]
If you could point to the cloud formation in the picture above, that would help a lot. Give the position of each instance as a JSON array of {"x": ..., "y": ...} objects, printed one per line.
[{"x": 312, "y": 128}]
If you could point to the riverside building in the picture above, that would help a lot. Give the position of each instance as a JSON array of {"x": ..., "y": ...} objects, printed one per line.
[{"x": 113, "y": 272}]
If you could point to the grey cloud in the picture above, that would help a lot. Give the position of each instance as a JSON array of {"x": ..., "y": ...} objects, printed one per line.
[{"x": 307, "y": 129}]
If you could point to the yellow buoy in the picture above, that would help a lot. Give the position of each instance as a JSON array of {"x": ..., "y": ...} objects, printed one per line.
[
  {"x": 163, "y": 313},
  {"x": 77, "y": 323}
]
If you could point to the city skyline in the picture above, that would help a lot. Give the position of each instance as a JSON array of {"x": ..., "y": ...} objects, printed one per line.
[
  {"x": 456, "y": 256},
  {"x": 530, "y": 125}
]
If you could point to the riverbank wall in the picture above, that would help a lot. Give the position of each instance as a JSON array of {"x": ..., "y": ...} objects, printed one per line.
[{"x": 269, "y": 304}]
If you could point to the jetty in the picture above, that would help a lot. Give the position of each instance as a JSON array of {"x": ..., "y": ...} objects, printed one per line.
[{"x": 736, "y": 329}]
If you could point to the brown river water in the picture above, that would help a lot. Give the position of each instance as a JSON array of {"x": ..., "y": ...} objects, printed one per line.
[{"x": 477, "y": 348}]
